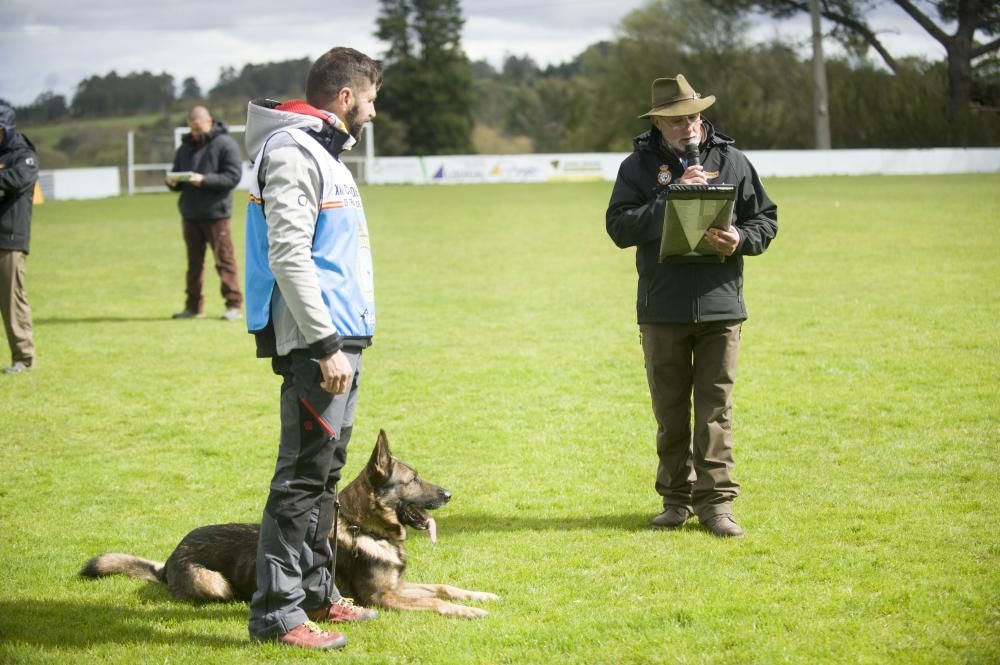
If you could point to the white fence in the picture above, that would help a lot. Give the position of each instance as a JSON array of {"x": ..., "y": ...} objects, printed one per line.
[
  {"x": 604, "y": 166},
  {"x": 358, "y": 163},
  {"x": 792, "y": 163},
  {"x": 97, "y": 183},
  {"x": 463, "y": 169}
]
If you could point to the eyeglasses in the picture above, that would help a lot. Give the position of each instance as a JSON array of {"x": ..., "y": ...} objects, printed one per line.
[{"x": 679, "y": 122}]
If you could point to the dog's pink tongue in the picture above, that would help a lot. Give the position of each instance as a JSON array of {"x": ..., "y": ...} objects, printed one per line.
[{"x": 432, "y": 529}]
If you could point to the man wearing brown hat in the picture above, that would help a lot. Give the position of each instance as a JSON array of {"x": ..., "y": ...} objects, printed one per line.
[{"x": 690, "y": 312}]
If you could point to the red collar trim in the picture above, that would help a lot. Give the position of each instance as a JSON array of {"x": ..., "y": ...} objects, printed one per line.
[{"x": 303, "y": 108}]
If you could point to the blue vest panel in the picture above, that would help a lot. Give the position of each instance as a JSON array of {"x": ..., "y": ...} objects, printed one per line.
[{"x": 341, "y": 250}]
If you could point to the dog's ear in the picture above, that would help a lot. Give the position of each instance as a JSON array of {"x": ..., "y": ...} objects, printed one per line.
[{"x": 381, "y": 461}]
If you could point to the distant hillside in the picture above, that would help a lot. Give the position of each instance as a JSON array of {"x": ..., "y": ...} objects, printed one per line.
[{"x": 89, "y": 142}]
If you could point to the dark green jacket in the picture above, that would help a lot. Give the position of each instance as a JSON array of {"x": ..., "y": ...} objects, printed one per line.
[
  {"x": 687, "y": 292},
  {"x": 217, "y": 157}
]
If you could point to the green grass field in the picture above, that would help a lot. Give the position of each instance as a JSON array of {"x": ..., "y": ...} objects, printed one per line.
[{"x": 507, "y": 368}]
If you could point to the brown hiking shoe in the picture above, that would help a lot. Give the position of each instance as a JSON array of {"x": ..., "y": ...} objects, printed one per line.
[
  {"x": 310, "y": 636},
  {"x": 671, "y": 518},
  {"x": 342, "y": 611},
  {"x": 724, "y": 526}
]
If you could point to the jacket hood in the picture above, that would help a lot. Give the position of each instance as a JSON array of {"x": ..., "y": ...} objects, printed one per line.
[
  {"x": 7, "y": 124},
  {"x": 218, "y": 127},
  {"x": 266, "y": 116},
  {"x": 652, "y": 139}
]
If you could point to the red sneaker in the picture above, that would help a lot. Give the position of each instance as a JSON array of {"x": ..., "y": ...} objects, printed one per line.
[
  {"x": 310, "y": 636},
  {"x": 342, "y": 611}
]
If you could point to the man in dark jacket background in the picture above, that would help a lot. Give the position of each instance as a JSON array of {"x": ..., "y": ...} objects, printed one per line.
[
  {"x": 18, "y": 175},
  {"x": 210, "y": 159},
  {"x": 690, "y": 312}
]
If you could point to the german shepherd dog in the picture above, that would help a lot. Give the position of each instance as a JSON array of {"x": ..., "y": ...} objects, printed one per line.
[{"x": 218, "y": 562}]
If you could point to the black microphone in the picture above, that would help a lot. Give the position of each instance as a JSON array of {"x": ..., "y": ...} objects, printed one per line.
[{"x": 691, "y": 153}]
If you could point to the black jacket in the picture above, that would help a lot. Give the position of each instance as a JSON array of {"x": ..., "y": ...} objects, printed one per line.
[
  {"x": 217, "y": 157},
  {"x": 687, "y": 292},
  {"x": 18, "y": 174}
]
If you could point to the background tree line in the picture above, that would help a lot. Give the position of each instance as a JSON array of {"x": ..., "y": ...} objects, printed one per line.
[{"x": 435, "y": 101}]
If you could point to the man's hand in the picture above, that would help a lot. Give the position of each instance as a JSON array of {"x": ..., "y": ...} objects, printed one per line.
[
  {"x": 694, "y": 175},
  {"x": 724, "y": 241},
  {"x": 196, "y": 179},
  {"x": 337, "y": 373}
]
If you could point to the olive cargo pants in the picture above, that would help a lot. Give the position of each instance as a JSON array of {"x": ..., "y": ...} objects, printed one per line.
[{"x": 699, "y": 359}]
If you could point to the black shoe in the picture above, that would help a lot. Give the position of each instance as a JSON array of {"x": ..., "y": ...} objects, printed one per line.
[
  {"x": 188, "y": 314},
  {"x": 723, "y": 526},
  {"x": 671, "y": 518}
]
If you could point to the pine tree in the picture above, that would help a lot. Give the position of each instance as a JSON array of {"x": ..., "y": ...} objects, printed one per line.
[
  {"x": 427, "y": 99},
  {"x": 190, "y": 90}
]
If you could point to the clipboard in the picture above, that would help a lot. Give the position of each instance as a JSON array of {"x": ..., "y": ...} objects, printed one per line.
[{"x": 690, "y": 211}]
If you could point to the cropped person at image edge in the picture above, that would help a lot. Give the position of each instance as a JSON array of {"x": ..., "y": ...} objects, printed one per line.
[{"x": 18, "y": 178}]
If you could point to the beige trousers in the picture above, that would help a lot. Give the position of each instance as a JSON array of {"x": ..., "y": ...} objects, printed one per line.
[{"x": 14, "y": 307}]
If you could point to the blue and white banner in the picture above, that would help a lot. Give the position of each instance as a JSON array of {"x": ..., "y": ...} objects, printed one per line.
[{"x": 465, "y": 169}]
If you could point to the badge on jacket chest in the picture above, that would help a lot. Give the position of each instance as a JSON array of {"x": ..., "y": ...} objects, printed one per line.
[{"x": 664, "y": 177}]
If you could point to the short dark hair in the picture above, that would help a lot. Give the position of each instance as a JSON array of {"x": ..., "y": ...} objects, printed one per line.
[{"x": 339, "y": 68}]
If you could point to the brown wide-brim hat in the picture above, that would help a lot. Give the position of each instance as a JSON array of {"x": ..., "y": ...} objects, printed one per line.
[{"x": 675, "y": 97}]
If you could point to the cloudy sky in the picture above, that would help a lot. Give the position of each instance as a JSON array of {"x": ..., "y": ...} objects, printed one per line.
[{"x": 51, "y": 45}]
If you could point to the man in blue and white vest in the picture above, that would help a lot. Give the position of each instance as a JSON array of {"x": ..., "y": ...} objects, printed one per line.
[{"x": 310, "y": 304}]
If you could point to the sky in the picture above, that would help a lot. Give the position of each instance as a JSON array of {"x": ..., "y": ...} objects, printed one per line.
[{"x": 52, "y": 45}]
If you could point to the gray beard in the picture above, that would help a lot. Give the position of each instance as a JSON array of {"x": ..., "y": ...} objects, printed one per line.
[{"x": 665, "y": 144}]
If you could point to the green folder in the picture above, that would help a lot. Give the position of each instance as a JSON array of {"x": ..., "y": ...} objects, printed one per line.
[{"x": 690, "y": 210}]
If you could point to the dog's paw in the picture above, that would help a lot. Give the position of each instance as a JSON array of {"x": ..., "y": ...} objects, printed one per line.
[
  {"x": 482, "y": 596},
  {"x": 463, "y": 612}
]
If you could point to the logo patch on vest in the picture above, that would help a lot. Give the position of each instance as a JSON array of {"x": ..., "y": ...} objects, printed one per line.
[
  {"x": 711, "y": 174},
  {"x": 664, "y": 177}
]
